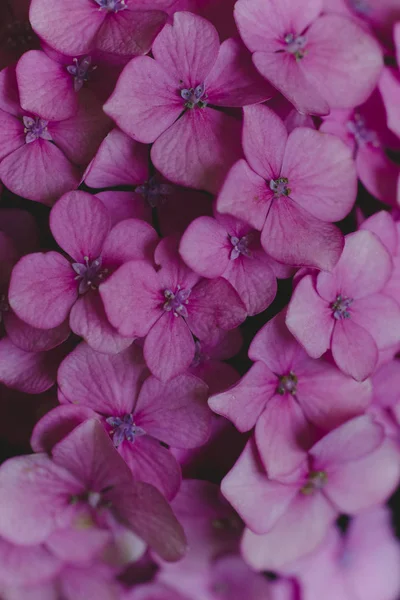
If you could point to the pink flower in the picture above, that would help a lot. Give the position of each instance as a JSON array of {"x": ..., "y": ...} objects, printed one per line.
[
  {"x": 168, "y": 307},
  {"x": 39, "y": 158},
  {"x": 139, "y": 412},
  {"x": 292, "y": 187},
  {"x": 84, "y": 481},
  {"x": 285, "y": 392},
  {"x": 349, "y": 470},
  {"x": 121, "y": 27},
  {"x": 193, "y": 74},
  {"x": 229, "y": 248},
  {"x": 362, "y": 563},
  {"x": 346, "y": 310},
  {"x": 317, "y": 61},
  {"x": 389, "y": 87},
  {"x": 365, "y": 131},
  {"x": 49, "y": 84},
  {"x": 46, "y": 288}
]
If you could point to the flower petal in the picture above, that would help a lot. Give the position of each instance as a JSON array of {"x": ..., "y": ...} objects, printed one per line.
[{"x": 354, "y": 349}]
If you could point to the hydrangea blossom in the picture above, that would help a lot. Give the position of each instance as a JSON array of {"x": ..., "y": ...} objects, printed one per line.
[
  {"x": 289, "y": 398},
  {"x": 138, "y": 412},
  {"x": 291, "y": 187},
  {"x": 33, "y": 147},
  {"x": 46, "y": 288},
  {"x": 350, "y": 469},
  {"x": 317, "y": 61},
  {"x": 85, "y": 483},
  {"x": 169, "y": 307},
  {"x": 174, "y": 101},
  {"x": 346, "y": 310}
]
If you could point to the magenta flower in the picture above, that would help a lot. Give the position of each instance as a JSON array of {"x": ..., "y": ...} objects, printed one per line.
[
  {"x": 120, "y": 27},
  {"x": 292, "y": 187},
  {"x": 389, "y": 86},
  {"x": 362, "y": 563},
  {"x": 84, "y": 479},
  {"x": 169, "y": 307},
  {"x": 365, "y": 131},
  {"x": 285, "y": 392},
  {"x": 229, "y": 248},
  {"x": 39, "y": 158},
  {"x": 349, "y": 470},
  {"x": 317, "y": 61},
  {"x": 49, "y": 84},
  {"x": 174, "y": 101},
  {"x": 46, "y": 288},
  {"x": 137, "y": 412},
  {"x": 346, "y": 310}
]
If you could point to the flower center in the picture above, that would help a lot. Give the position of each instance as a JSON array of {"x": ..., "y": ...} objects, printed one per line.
[
  {"x": 360, "y": 6},
  {"x": 195, "y": 96},
  {"x": 89, "y": 274},
  {"x": 112, "y": 5},
  {"x": 280, "y": 187},
  {"x": 124, "y": 428},
  {"x": 316, "y": 481},
  {"x": 295, "y": 45},
  {"x": 340, "y": 307},
  {"x": 240, "y": 246},
  {"x": 176, "y": 302},
  {"x": 35, "y": 128},
  {"x": 153, "y": 192},
  {"x": 287, "y": 384},
  {"x": 80, "y": 71},
  {"x": 358, "y": 128}
]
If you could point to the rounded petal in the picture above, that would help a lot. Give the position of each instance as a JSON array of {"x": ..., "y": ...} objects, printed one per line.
[
  {"x": 80, "y": 223},
  {"x": 243, "y": 403},
  {"x": 321, "y": 172},
  {"x": 132, "y": 298},
  {"x": 39, "y": 171},
  {"x": 282, "y": 435},
  {"x": 169, "y": 347},
  {"x": 69, "y": 28},
  {"x": 264, "y": 141},
  {"x": 350, "y": 277},
  {"x": 367, "y": 482},
  {"x": 300, "y": 530},
  {"x": 293, "y": 236},
  {"x": 354, "y": 349},
  {"x": 187, "y": 49},
  {"x": 286, "y": 74},
  {"x": 260, "y": 501},
  {"x": 30, "y": 338},
  {"x": 12, "y": 134},
  {"x": 118, "y": 161},
  {"x": 108, "y": 384},
  {"x": 145, "y": 101},
  {"x": 349, "y": 54},
  {"x": 380, "y": 316},
  {"x": 152, "y": 463},
  {"x": 45, "y": 87},
  {"x": 43, "y": 289},
  {"x": 29, "y": 372},
  {"x": 245, "y": 195},
  {"x": 26, "y": 566},
  {"x": 125, "y": 205},
  {"x": 378, "y": 174},
  {"x": 205, "y": 247},
  {"x": 57, "y": 424},
  {"x": 88, "y": 319},
  {"x": 309, "y": 318},
  {"x": 199, "y": 149},
  {"x": 175, "y": 412},
  {"x": 128, "y": 240}
]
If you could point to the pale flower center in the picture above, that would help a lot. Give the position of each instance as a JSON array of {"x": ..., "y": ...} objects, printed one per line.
[
  {"x": 176, "y": 301},
  {"x": 124, "y": 428},
  {"x": 89, "y": 274},
  {"x": 195, "y": 97},
  {"x": 280, "y": 187},
  {"x": 111, "y": 5},
  {"x": 340, "y": 307},
  {"x": 316, "y": 481}
]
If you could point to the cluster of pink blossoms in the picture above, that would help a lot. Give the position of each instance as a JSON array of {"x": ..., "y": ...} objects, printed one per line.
[{"x": 199, "y": 299}]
